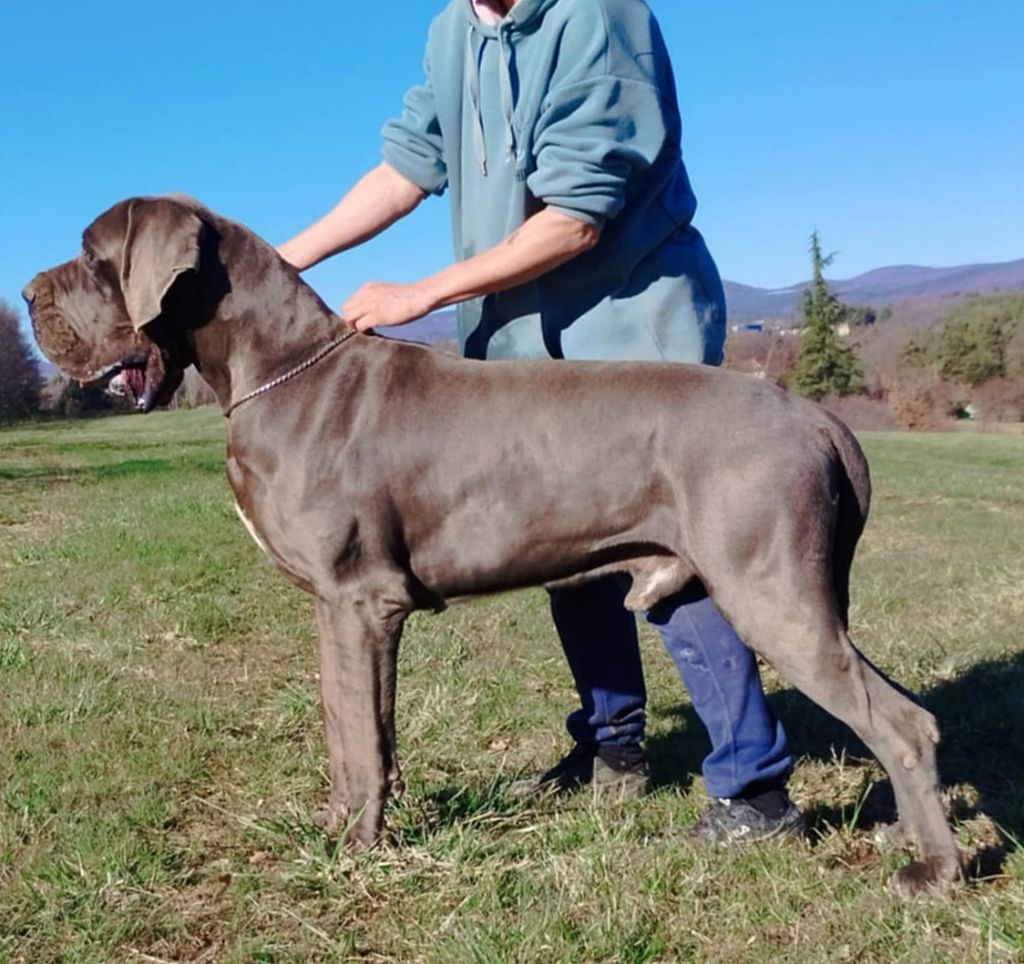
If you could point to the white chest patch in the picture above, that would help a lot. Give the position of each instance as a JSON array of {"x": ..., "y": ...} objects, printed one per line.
[{"x": 251, "y": 529}]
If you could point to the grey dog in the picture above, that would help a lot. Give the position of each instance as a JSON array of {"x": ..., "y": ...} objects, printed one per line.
[{"x": 383, "y": 477}]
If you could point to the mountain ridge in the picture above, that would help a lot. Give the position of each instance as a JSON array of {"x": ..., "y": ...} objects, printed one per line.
[{"x": 879, "y": 287}]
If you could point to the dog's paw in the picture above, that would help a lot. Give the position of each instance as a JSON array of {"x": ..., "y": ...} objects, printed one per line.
[
  {"x": 330, "y": 821},
  {"x": 933, "y": 875},
  {"x": 361, "y": 828}
]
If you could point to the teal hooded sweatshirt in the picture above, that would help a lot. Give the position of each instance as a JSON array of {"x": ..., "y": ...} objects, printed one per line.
[{"x": 568, "y": 104}]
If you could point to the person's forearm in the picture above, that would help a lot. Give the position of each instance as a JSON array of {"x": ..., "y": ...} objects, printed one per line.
[
  {"x": 380, "y": 198},
  {"x": 545, "y": 241}
]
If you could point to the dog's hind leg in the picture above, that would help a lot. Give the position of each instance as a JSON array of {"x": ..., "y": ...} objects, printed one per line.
[
  {"x": 795, "y": 625},
  {"x": 358, "y": 635}
]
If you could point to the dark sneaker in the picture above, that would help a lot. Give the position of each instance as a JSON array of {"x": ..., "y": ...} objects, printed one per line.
[
  {"x": 620, "y": 771},
  {"x": 739, "y": 821}
]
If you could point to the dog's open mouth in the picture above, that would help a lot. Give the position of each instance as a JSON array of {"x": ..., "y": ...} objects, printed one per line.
[
  {"x": 144, "y": 380},
  {"x": 128, "y": 383}
]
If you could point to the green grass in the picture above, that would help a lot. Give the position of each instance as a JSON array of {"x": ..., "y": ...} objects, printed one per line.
[{"x": 160, "y": 743}]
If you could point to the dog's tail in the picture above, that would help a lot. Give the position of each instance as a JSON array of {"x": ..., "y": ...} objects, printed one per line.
[{"x": 853, "y": 485}]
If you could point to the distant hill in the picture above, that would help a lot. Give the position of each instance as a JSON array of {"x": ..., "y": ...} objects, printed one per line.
[{"x": 883, "y": 286}]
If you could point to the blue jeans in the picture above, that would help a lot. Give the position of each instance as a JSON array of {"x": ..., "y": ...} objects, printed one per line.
[{"x": 748, "y": 744}]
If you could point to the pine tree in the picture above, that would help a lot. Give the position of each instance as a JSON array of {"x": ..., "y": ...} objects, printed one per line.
[
  {"x": 825, "y": 366},
  {"x": 19, "y": 370}
]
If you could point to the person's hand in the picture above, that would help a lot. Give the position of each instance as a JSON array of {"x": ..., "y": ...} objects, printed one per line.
[{"x": 379, "y": 304}]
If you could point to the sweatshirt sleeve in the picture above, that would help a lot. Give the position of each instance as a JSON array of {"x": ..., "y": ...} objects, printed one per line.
[
  {"x": 413, "y": 144},
  {"x": 591, "y": 139}
]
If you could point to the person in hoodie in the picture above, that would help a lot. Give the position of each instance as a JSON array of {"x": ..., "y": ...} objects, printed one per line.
[{"x": 553, "y": 126}]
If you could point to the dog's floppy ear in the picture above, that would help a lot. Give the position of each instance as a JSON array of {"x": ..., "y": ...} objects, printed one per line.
[{"x": 161, "y": 242}]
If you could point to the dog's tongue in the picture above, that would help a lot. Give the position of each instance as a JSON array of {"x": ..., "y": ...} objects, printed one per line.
[{"x": 130, "y": 382}]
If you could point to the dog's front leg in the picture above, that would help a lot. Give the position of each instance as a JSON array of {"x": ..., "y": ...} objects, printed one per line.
[
  {"x": 358, "y": 643},
  {"x": 334, "y": 816}
]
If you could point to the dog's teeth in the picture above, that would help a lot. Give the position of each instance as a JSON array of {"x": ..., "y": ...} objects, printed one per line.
[{"x": 118, "y": 385}]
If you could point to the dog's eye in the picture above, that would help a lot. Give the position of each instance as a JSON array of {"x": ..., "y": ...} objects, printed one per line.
[{"x": 90, "y": 258}]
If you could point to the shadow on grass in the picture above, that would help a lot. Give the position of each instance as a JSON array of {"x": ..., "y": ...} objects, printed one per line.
[{"x": 980, "y": 717}]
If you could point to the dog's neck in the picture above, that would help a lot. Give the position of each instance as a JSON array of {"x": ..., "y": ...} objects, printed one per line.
[{"x": 256, "y": 333}]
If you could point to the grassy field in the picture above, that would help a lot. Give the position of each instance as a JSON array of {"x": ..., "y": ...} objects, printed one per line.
[{"x": 160, "y": 744}]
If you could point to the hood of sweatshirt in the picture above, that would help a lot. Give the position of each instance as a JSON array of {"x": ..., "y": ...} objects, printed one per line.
[{"x": 525, "y": 14}]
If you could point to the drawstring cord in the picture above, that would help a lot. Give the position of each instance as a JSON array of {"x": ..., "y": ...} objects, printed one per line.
[
  {"x": 473, "y": 76},
  {"x": 474, "y": 55},
  {"x": 505, "y": 86}
]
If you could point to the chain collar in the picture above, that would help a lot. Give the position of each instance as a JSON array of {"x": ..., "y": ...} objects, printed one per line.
[{"x": 291, "y": 373}]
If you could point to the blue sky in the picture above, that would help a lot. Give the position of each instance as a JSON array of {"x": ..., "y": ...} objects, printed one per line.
[{"x": 896, "y": 128}]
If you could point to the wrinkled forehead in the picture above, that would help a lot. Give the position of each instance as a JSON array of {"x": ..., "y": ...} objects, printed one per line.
[{"x": 70, "y": 282}]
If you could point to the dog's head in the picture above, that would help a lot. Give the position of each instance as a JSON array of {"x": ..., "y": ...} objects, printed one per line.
[{"x": 101, "y": 317}]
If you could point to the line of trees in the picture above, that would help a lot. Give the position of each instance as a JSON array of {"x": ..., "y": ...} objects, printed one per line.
[
  {"x": 972, "y": 365},
  {"x": 980, "y": 340},
  {"x": 20, "y": 377}
]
